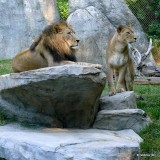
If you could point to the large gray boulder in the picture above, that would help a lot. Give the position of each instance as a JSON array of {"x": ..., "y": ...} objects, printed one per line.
[
  {"x": 22, "y": 21},
  {"x": 17, "y": 143},
  {"x": 95, "y": 21},
  {"x": 61, "y": 96}
]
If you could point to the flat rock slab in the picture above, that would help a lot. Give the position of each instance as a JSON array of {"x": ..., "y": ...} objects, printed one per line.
[
  {"x": 124, "y": 100},
  {"x": 17, "y": 143},
  {"x": 135, "y": 119},
  {"x": 62, "y": 96}
]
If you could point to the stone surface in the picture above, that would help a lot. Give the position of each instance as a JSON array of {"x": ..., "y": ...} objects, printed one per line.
[
  {"x": 135, "y": 119},
  {"x": 124, "y": 100},
  {"x": 61, "y": 96},
  {"x": 95, "y": 21},
  {"x": 93, "y": 29},
  {"x": 17, "y": 143},
  {"x": 22, "y": 21}
]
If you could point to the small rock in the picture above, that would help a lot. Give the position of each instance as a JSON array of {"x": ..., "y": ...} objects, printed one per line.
[
  {"x": 124, "y": 100},
  {"x": 135, "y": 119}
]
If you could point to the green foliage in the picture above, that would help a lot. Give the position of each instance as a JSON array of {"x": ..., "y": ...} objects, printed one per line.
[
  {"x": 154, "y": 29},
  {"x": 63, "y": 8},
  {"x": 148, "y": 13}
]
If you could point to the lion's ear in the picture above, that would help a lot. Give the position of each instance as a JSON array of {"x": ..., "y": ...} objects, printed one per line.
[
  {"x": 35, "y": 43},
  {"x": 119, "y": 29},
  {"x": 57, "y": 28}
]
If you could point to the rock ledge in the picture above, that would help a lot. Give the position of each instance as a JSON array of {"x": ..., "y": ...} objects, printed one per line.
[{"x": 65, "y": 144}]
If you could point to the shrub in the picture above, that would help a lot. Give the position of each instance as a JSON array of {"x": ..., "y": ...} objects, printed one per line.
[{"x": 63, "y": 8}]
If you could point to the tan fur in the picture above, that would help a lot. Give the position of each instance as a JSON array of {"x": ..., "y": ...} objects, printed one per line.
[
  {"x": 119, "y": 61},
  {"x": 55, "y": 45}
]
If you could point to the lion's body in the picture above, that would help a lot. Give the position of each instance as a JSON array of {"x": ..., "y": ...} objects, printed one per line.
[
  {"x": 26, "y": 60},
  {"x": 56, "y": 45},
  {"x": 118, "y": 60}
]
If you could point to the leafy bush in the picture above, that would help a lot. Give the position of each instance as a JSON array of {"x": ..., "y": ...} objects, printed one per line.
[{"x": 63, "y": 8}]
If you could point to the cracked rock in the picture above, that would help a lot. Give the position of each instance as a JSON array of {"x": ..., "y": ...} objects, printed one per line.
[
  {"x": 135, "y": 119},
  {"x": 18, "y": 143},
  {"x": 61, "y": 96}
]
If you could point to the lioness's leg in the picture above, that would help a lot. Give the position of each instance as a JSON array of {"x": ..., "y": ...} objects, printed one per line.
[
  {"x": 121, "y": 80},
  {"x": 130, "y": 76},
  {"x": 110, "y": 81},
  {"x": 116, "y": 74}
]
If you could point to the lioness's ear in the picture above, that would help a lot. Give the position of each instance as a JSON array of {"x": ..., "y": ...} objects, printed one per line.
[{"x": 119, "y": 29}]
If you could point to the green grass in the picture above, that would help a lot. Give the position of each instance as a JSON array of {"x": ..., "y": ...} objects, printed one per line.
[
  {"x": 150, "y": 104},
  {"x": 5, "y": 67}
]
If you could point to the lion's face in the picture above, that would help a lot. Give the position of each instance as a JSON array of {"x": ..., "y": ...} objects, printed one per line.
[
  {"x": 126, "y": 34},
  {"x": 70, "y": 38}
]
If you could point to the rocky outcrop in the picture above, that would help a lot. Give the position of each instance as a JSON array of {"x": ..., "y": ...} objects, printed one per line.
[
  {"x": 95, "y": 21},
  {"x": 120, "y": 112},
  {"x": 17, "y": 143},
  {"x": 22, "y": 21},
  {"x": 61, "y": 96}
]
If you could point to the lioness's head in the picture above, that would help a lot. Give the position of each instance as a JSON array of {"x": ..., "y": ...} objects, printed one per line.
[{"x": 126, "y": 34}]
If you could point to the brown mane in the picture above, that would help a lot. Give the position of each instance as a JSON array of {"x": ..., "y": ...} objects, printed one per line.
[{"x": 51, "y": 42}]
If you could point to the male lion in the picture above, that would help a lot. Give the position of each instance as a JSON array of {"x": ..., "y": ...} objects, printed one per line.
[
  {"x": 119, "y": 60},
  {"x": 55, "y": 46}
]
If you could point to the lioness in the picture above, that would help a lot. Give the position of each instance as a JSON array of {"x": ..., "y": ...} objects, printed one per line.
[
  {"x": 55, "y": 46},
  {"x": 119, "y": 61}
]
